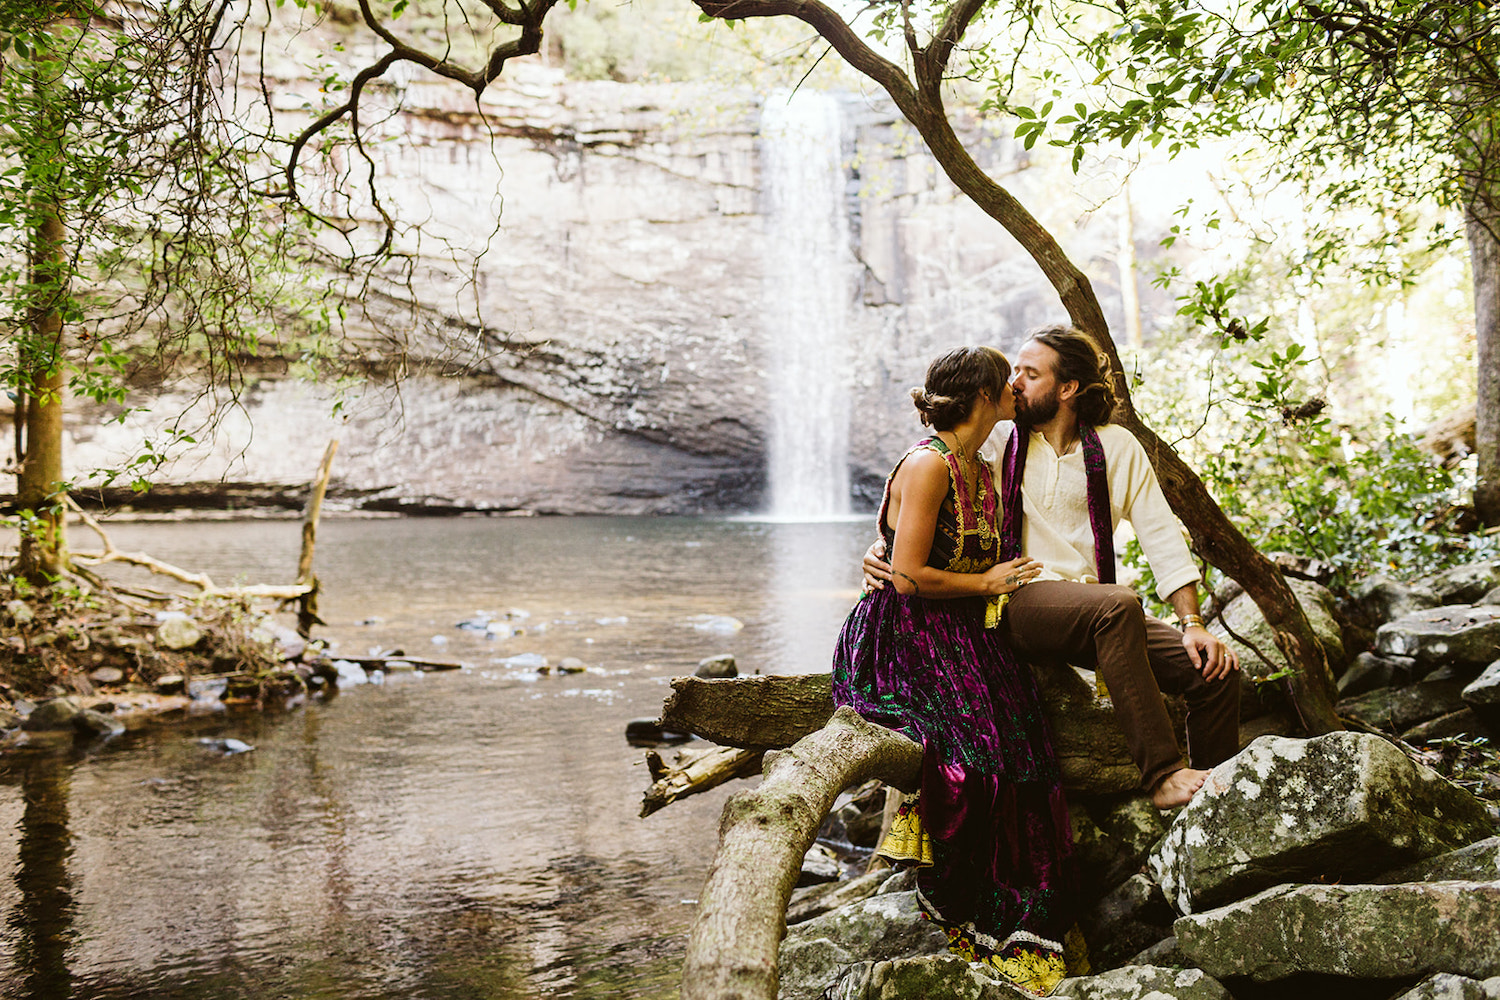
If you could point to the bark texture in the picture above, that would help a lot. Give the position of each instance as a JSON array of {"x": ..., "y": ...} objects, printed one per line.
[
  {"x": 1482, "y": 227},
  {"x": 763, "y": 835},
  {"x": 693, "y": 774},
  {"x": 753, "y": 713}
]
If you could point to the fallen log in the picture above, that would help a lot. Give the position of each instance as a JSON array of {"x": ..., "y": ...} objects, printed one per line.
[
  {"x": 764, "y": 833},
  {"x": 768, "y": 713},
  {"x": 382, "y": 661},
  {"x": 753, "y": 713},
  {"x": 694, "y": 773}
]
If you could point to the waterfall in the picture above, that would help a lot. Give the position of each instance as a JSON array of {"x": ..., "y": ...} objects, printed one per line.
[{"x": 806, "y": 302}]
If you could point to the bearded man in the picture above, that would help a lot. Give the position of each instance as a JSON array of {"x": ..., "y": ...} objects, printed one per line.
[{"x": 1073, "y": 477}]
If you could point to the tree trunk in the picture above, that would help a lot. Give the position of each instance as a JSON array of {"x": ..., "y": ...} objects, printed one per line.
[
  {"x": 764, "y": 833},
  {"x": 755, "y": 713},
  {"x": 44, "y": 550},
  {"x": 1482, "y": 227}
]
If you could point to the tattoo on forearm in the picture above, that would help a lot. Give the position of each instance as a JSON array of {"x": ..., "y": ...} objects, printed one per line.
[{"x": 914, "y": 588}]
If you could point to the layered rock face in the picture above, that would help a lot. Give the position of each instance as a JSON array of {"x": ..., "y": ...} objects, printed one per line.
[{"x": 608, "y": 350}]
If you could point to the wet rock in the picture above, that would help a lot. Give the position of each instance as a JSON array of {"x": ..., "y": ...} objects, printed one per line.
[
  {"x": 1395, "y": 710},
  {"x": 717, "y": 666},
  {"x": 1131, "y": 918},
  {"x": 207, "y": 688},
  {"x": 177, "y": 632},
  {"x": 1243, "y": 618},
  {"x": 228, "y": 746},
  {"x": 929, "y": 977},
  {"x": 95, "y": 723},
  {"x": 107, "y": 675},
  {"x": 570, "y": 665},
  {"x": 880, "y": 928},
  {"x": 19, "y": 612},
  {"x": 170, "y": 684},
  {"x": 1478, "y": 862},
  {"x": 1377, "y": 599},
  {"x": 58, "y": 713},
  {"x": 9, "y": 719},
  {"x": 1457, "y": 634},
  {"x": 1144, "y": 983},
  {"x": 1371, "y": 671},
  {"x": 815, "y": 900},
  {"x": 1344, "y": 806},
  {"x": 649, "y": 733},
  {"x": 1464, "y": 584},
  {"x": 1446, "y": 986},
  {"x": 1358, "y": 931},
  {"x": 290, "y": 645}
]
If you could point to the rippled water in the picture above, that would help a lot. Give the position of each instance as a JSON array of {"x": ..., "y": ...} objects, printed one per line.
[{"x": 470, "y": 834}]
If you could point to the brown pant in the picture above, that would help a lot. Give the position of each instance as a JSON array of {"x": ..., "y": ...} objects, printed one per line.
[{"x": 1103, "y": 627}]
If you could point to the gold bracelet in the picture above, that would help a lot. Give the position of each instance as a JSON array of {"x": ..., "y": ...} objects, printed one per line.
[{"x": 1189, "y": 621}]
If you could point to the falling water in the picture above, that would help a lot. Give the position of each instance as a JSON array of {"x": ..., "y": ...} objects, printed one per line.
[{"x": 808, "y": 284}]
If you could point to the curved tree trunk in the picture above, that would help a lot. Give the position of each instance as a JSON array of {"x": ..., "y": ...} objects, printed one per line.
[
  {"x": 764, "y": 833},
  {"x": 1214, "y": 535}
]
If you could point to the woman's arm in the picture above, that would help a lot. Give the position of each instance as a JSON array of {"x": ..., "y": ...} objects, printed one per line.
[{"x": 917, "y": 495}]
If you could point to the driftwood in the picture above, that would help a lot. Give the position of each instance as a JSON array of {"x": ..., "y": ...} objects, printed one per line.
[
  {"x": 694, "y": 773},
  {"x": 381, "y": 661},
  {"x": 307, "y": 605},
  {"x": 205, "y": 585},
  {"x": 763, "y": 835},
  {"x": 753, "y": 713}
]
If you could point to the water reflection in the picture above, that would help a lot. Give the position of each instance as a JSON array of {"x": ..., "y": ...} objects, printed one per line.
[{"x": 471, "y": 834}]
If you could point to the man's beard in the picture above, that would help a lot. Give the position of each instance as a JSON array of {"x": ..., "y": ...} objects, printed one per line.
[{"x": 1033, "y": 412}]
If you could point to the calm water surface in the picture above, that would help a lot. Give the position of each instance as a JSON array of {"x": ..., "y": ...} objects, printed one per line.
[{"x": 457, "y": 835}]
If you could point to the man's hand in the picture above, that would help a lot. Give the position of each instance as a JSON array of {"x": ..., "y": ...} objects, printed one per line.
[
  {"x": 877, "y": 570},
  {"x": 1208, "y": 654}
]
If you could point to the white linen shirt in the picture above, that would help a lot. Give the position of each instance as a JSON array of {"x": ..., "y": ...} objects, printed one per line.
[{"x": 1056, "y": 531}]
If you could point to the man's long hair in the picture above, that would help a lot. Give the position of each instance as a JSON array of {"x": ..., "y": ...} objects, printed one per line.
[{"x": 1080, "y": 360}]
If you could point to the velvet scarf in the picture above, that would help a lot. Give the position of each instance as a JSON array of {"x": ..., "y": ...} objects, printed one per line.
[{"x": 1014, "y": 467}]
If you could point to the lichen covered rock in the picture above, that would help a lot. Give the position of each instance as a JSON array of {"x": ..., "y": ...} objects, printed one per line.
[{"x": 1341, "y": 807}]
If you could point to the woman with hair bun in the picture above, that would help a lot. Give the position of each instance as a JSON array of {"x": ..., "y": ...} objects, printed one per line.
[{"x": 989, "y": 828}]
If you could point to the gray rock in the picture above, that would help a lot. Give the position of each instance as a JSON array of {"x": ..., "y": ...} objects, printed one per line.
[
  {"x": 58, "y": 713},
  {"x": 1446, "y": 986},
  {"x": 815, "y": 900},
  {"x": 9, "y": 719},
  {"x": 1090, "y": 747},
  {"x": 1135, "y": 823},
  {"x": 1357, "y": 931},
  {"x": 819, "y": 864},
  {"x": 1493, "y": 597},
  {"x": 1478, "y": 862},
  {"x": 1164, "y": 953},
  {"x": 1381, "y": 599},
  {"x": 170, "y": 683},
  {"x": 1344, "y": 806},
  {"x": 1243, "y": 618},
  {"x": 1397, "y": 709},
  {"x": 717, "y": 666},
  {"x": 1144, "y": 983},
  {"x": 107, "y": 675},
  {"x": 97, "y": 723},
  {"x": 927, "y": 977},
  {"x": 874, "y": 929},
  {"x": 1484, "y": 692},
  {"x": 1104, "y": 861},
  {"x": 1370, "y": 671},
  {"x": 1128, "y": 920},
  {"x": 1458, "y": 634},
  {"x": 1464, "y": 584},
  {"x": 1464, "y": 722},
  {"x": 904, "y": 880},
  {"x": 807, "y": 966},
  {"x": 20, "y": 612},
  {"x": 178, "y": 632}
]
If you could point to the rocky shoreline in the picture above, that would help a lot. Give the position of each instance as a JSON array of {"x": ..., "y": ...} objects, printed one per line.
[{"x": 1361, "y": 864}]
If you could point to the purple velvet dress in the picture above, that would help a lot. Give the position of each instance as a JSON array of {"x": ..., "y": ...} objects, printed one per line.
[{"x": 1002, "y": 879}]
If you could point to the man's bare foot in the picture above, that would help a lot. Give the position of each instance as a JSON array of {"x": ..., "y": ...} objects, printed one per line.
[{"x": 1177, "y": 788}]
